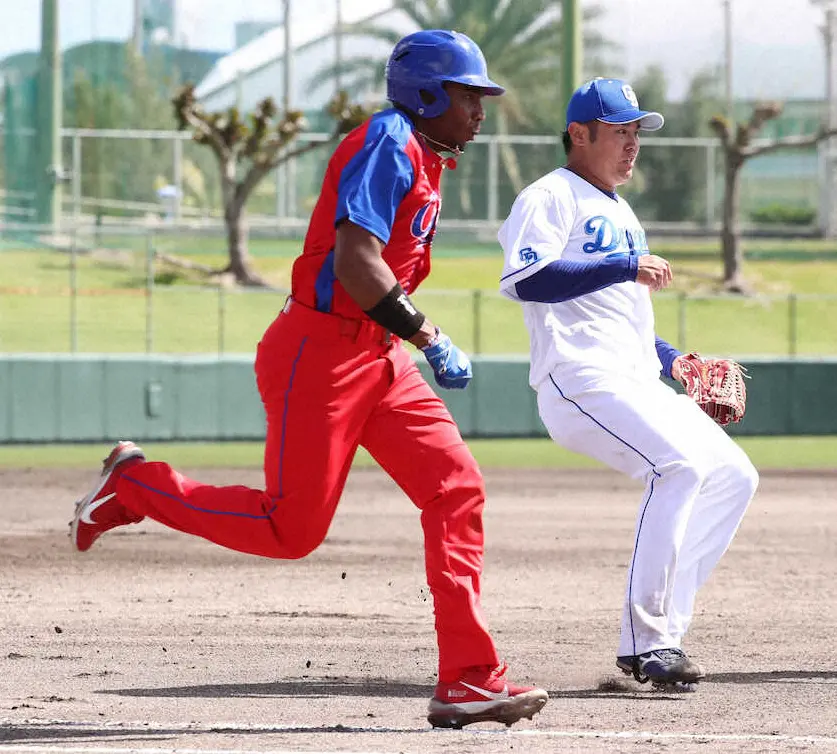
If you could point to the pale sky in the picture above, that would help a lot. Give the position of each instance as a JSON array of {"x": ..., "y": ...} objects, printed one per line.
[{"x": 777, "y": 44}]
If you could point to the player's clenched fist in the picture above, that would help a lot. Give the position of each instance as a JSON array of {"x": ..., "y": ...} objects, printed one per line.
[
  {"x": 653, "y": 271},
  {"x": 451, "y": 367}
]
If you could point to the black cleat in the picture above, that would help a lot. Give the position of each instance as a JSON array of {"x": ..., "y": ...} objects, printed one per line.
[{"x": 668, "y": 669}]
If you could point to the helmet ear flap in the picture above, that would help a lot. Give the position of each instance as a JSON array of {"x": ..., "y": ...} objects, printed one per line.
[{"x": 432, "y": 100}]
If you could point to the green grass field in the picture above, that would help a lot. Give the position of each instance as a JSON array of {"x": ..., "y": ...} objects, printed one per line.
[
  {"x": 112, "y": 312},
  {"x": 815, "y": 453}
]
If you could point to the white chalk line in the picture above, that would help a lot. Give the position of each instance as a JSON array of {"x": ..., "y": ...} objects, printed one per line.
[{"x": 158, "y": 728}]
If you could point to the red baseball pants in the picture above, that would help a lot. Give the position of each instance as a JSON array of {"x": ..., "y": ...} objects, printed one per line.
[{"x": 328, "y": 385}]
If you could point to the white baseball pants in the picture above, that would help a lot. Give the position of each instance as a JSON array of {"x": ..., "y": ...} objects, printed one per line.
[{"x": 698, "y": 484}]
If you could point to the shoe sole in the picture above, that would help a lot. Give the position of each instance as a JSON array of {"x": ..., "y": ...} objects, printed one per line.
[
  {"x": 129, "y": 451},
  {"x": 671, "y": 680},
  {"x": 508, "y": 712},
  {"x": 675, "y": 687}
]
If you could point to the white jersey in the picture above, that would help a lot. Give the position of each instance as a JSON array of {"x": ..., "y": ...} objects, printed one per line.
[{"x": 562, "y": 216}]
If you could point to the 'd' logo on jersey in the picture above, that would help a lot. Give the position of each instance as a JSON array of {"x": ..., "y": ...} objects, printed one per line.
[
  {"x": 424, "y": 221},
  {"x": 609, "y": 238}
]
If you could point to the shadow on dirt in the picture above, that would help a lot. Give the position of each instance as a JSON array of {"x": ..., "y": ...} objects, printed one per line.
[
  {"x": 373, "y": 687},
  {"x": 369, "y": 687},
  {"x": 58, "y": 733},
  {"x": 775, "y": 676},
  {"x": 61, "y": 732}
]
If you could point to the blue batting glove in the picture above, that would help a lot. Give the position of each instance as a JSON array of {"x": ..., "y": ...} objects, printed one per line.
[{"x": 451, "y": 367}]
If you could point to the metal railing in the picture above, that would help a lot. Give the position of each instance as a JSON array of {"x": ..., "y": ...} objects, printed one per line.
[{"x": 286, "y": 199}]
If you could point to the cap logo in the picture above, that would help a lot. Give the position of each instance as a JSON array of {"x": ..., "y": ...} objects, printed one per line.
[{"x": 630, "y": 95}]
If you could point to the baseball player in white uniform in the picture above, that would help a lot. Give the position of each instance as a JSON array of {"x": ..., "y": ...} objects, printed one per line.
[{"x": 577, "y": 260}]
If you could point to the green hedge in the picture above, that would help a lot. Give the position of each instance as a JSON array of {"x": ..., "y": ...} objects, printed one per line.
[{"x": 782, "y": 214}]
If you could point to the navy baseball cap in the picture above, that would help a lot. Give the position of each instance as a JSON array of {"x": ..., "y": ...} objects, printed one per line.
[{"x": 610, "y": 101}]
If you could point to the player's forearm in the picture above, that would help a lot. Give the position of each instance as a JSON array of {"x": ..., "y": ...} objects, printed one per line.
[
  {"x": 369, "y": 281},
  {"x": 668, "y": 356},
  {"x": 563, "y": 279},
  {"x": 359, "y": 266}
]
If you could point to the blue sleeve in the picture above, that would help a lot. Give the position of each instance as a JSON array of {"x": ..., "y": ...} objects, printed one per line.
[
  {"x": 372, "y": 185},
  {"x": 562, "y": 279},
  {"x": 667, "y": 353}
]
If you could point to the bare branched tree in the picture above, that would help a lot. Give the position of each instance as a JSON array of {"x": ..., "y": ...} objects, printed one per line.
[
  {"x": 737, "y": 142},
  {"x": 247, "y": 149}
]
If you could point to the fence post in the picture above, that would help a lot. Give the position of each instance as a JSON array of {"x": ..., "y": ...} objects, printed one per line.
[
  {"x": 710, "y": 185},
  {"x": 178, "y": 179},
  {"x": 74, "y": 291},
  {"x": 476, "y": 313},
  {"x": 149, "y": 293},
  {"x": 681, "y": 321},
  {"x": 282, "y": 212},
  {"x": 792, "y": 324},
  {"x": 493, "y": 179},
  {"x": 76, "y": 178},
  {"x": 290, "y": 188},
  {"x": 222, "y": 318}
]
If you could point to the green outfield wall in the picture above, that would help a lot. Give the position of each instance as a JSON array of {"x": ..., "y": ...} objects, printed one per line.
[{"x": 92, "y": 398}]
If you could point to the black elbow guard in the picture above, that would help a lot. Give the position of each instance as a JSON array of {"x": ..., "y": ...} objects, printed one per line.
[{"x": 397, "y": 314}]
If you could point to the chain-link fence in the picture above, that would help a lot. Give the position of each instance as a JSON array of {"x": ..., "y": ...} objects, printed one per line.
[
  {"x": 134, "y": 176},
  {"x": 118, "y": 292}
]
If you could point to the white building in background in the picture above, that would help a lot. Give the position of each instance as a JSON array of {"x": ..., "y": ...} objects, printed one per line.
[{"x": 257, "y": 70}]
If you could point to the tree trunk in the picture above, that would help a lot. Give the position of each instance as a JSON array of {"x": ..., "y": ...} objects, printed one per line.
[
  {"x": 240, "y": 264},
  {"x": 730, "y": 240}
]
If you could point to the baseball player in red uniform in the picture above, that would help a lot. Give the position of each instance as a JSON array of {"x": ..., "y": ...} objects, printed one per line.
[{"x": 333, "y": 374}]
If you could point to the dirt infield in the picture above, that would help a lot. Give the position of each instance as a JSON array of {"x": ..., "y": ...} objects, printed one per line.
[{"x": 156, "y": 641}]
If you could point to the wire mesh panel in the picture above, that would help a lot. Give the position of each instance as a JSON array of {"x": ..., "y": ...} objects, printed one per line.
[
  {"x": 501, "y": 326},
  {"x": 18, "y": 103},
  {"x": 247, "y": 315},
  {"x": 673, "y": 182},
  {"x": 479, "y": 322},
  {"x": 34, "y": 322},
  {"x": 452, "y": 311},
  {"x": 812, "y": 325},
  {"x": 200, "y": 183},
  {"x": 121, "y": 177},
  {"x": 105, "y": 291},
  {"x": 109, "y": 298},
  {"x": 464, "y": 190},
  {"x": 185, "y": 319},
  {"x": 743, "y": 326},
  {"x": 308, "y": 172},
  {"x": 66, "y": 300},
  {"x": 520, "y": 161},
  {"x": 781, "y": 188},
  {"x": 667, "y": 318}
]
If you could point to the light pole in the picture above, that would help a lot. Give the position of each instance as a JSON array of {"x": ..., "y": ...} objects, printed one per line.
[
  {"x": 571, "y": 56},
  {"x": 338, "y": 45},
  {"x": 828, "y": 221},
  {"x": 287, "y": 101},
  {"x": 139, "y": 26},
  {"x": 288, "y": 67},
  {"x": 728, "y": 62},
  {"x": 570, "y": 51},
  {"x": 50, "y": 172}
]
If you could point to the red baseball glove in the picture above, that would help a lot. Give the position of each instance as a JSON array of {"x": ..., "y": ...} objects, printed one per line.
[{"x": 716, "y": 385}]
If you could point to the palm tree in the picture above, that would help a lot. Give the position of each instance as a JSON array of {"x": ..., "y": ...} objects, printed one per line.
[{"x": 521, "y": 42}]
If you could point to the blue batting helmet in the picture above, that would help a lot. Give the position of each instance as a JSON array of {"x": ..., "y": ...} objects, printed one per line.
[{"x": 423, "y": 61}]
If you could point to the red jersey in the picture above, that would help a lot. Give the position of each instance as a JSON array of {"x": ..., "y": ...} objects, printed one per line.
[{"x": 384, "y": 179}]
